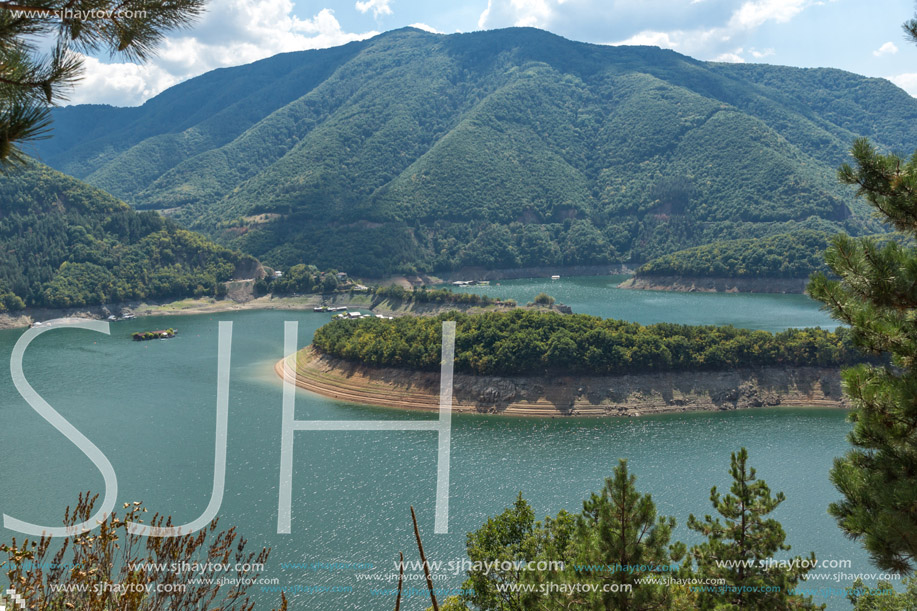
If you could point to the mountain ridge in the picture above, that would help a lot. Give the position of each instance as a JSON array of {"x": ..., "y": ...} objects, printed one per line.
[{"x": 503, "y": 148}]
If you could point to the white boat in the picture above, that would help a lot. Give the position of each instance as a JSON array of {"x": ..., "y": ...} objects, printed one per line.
[{"x": 555, "y": 277}]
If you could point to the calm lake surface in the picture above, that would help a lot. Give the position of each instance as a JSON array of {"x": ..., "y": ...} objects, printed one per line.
[
  {"x": 599, "y": 296},
  {"x": 150, "y": 407}
]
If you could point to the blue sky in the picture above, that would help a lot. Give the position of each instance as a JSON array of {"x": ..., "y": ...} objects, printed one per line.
[{"x": 856, "y": 35}]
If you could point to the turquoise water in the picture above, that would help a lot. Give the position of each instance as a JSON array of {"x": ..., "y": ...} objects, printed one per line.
[
  {"x": 599, "y": 296},
  {"x": 150, "y": 407}
]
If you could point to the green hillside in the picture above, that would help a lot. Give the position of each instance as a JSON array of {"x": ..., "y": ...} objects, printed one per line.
[
  {"x": 786, "y": 255},
  {"x": 64, "y": 243},
  {"x": 508, "y": 148}
]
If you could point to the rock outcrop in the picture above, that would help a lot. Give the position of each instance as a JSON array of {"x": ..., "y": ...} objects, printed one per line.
[{"x": 621, "y": 395}]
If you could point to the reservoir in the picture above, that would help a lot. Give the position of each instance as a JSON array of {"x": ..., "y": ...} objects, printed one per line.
[
  {"x": 150, "y": 407},
  {"x": 599, "y": 296}
]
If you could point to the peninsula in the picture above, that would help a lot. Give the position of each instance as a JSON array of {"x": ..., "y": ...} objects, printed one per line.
[{"x": 590, "y": 366}]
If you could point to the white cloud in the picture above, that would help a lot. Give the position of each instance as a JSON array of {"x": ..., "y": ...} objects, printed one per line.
[
  {"x": 732, "y": 57},
  {"x": 706, "y": 29},
  {"x": 758, "y": 12},
  {"x": 532, "y": 13},
  {"x": 907, "y": 81},
  {"x": 485, "y": 15},
  {"x": 697, "y": 43},
  {"x": 378, "y": 7},
  {"x": 520, "y": 13},
  {"x": 119, "y": 84},
  {"x": 888, "y": 48},
  {"x": 425, "y": 28},
  {"x": 666, "y": 40},
  {"x": 233, "y": 32}
]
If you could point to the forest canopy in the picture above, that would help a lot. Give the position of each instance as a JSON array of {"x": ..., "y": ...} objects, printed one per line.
[
  {"x": 66, "y": 244},
  {"x": 786, "y": 255},
  {"x": 413, "y": 152},
  {"x": 526, "y": 342}
]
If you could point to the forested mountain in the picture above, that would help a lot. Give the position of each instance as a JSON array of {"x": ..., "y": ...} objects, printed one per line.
[
  {"x": 504, "y": 148},
  {"x": 64, "y": 243},
  {"x": 785, "y": 255}
]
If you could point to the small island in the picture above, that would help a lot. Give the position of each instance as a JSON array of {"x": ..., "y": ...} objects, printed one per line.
[{"x": 144, "y": 336}]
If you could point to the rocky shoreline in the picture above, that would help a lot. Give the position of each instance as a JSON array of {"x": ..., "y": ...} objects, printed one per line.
[
  {"x": 691, "y": 284},
  {"x": 621, "y": 395},
  {"x": 25, "y": 318}
]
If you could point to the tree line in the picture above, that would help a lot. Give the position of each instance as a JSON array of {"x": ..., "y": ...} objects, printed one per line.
[
  {"x": 65, "y": 244},
  {"x": 528, "y": 342},
  {"x": 620, "y": 553}
]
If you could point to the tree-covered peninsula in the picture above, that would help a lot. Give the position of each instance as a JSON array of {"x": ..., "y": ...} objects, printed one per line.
[
  {"x": 529, "y": 342},
  {"x": 786, "y": 255}
]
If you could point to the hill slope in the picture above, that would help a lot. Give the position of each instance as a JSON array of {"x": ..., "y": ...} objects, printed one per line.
[
  {"x": 64, "y": 243},
  {"x": 499, "y": 149}
]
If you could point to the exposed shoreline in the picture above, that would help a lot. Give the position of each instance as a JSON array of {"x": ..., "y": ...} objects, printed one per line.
[
  {"x": 209, "y": 305},
  {"x": 26, "y": 317},
  {"x": 621, "y": 395},
  {"x": 695, "y": 284}
]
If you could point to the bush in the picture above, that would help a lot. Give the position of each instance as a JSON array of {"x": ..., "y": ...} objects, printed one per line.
[
  {"x": 543, "y": 299},
  {"x": 111, "y": 565}
]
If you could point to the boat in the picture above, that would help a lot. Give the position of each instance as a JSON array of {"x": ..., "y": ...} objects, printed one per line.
[
  {"x": 320, "y": 309},
  {"x": 143, "y": 336},
  {"x": 555, "y": 277}
]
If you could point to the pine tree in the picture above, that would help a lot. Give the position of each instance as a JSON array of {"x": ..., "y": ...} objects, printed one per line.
[
  {"x": 504, "y": 538},
  {"x": 741, "y": 549},
  {"x": 883, "y": 597},
  {"x": 31, "y": 82},
  {"x": 877, "y": 296},
  {"x": 619, "y": 528},
  {"x": 617, "y": 541}
]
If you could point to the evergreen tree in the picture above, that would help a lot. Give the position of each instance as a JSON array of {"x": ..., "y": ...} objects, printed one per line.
[
  {"x": 741, "y": 548},
  {"x": 504, "y": 538},
  {"x": 619, "y": 528},
  {"x": 31, "y": 82},
  {"x": 877, "y": 296},
  {"x": 883, "y": 597},
  {"x": 617, "y": 541}
]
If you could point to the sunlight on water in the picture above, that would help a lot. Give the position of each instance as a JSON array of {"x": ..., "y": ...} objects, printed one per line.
[{"x": 150, "y": 407}]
